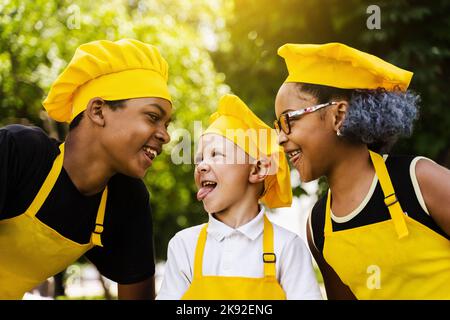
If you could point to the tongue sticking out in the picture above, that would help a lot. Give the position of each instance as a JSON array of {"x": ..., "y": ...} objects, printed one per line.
[{"x": 203, "y": 192}]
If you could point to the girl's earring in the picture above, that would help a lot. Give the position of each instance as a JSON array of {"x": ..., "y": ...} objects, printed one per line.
[{"x": 338, "y": 133}]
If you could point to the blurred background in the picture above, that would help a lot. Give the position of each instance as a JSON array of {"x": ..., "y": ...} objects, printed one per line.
[{"x": 215, "y": 47}]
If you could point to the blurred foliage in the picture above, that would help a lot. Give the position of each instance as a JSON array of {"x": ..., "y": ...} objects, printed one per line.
[
  {"x": 414, "y": 35},
  {"x": 204, "y": 40}
]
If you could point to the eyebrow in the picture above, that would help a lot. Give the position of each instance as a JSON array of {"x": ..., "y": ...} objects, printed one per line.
[
  {"x": 164, "y": 113},
  {"x": 159, "y": 107}
]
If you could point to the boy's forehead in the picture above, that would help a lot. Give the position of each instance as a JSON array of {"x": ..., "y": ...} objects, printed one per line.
[{"x": 212, "y": 140}]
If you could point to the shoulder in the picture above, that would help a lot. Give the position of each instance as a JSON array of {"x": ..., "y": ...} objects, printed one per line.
[
  {"x": 283, "y": 235},
  {"x": 316, "y": 222},
  {"x": 30, "y": 142},
  {"x": 186, "y": 237},
  {"x": 318, "y": 210},
  {"x": 22, "y": 134},
  {"x": 182, "y": 245},
  {"x": 287, "y": 241}
]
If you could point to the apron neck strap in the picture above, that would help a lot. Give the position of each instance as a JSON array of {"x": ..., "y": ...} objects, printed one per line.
[
  {"x": 390, "y": 199},
  {"x": 48, "y": 184},
  {"x": 198, "y": 259},
  {"x": 269, "y": 257},
  {"x": 328, "y": 227},
  {"x": 47, "y": 187},
  {"x": 96, "y": 234}
]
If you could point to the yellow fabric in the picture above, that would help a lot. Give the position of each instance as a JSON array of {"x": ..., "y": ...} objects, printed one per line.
[
  {"x": 340, "y": 66},
  {"x": 30, "y": 251},
  {"x": 398, "y": 258},
  {"x": 110, "y": 70},
  {"x": 236, "y": 122},
  {"x": 235, "y": 288}
]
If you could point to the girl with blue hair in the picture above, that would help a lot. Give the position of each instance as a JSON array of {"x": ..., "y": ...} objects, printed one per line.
[{"x": 382, "y": 230}]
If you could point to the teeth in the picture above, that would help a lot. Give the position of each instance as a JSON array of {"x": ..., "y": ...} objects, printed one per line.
[
  {"x": 294, "y": 153},
  {"x": 152, "y": 153},
  {"x": 208, "y": 183}
]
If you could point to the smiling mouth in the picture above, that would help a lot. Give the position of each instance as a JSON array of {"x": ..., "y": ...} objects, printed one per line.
[
  {"x": 293, "y": 154},
  {"x": 207, "y": 187},
  {"x": 150, "y": 152}
]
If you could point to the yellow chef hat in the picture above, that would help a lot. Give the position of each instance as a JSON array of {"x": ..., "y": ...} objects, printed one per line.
[
  {"x": 236, "y": 122},
  {"x": 110, "y": 70},
  {"x": 340, "y": 66}
]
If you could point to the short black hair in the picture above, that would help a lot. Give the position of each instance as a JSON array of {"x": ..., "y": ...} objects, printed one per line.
[{"x": 113, "y": 104}]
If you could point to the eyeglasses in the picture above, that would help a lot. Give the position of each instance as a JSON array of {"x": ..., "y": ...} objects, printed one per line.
[{"x": 284, "y": 122}]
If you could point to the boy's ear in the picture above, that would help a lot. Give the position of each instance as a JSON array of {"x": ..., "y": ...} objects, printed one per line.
[
  {"x": 260, "y": 170},
  {"x": 94, "y": 111}
]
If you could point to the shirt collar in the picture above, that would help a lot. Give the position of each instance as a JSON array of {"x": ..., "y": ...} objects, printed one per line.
[{"x": 251, "y": 229}]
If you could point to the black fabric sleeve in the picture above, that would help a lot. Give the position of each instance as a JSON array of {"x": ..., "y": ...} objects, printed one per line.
[
  {"x": 26, "y": 155},
  {"x": 128, "y": 255},
  {"x": 6, "y": 149},
  {"x": 318, "y": 222}
]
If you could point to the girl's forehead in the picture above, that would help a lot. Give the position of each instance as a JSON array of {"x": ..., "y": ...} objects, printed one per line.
[{"x": 291, "y": 91}]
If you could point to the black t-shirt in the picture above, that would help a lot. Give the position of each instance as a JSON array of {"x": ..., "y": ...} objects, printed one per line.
[
  {"x": 26, "y": 157},
  {"x": 375, "y": 210}
]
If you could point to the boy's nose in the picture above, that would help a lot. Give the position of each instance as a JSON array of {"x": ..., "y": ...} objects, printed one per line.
[{"x": 203, "y": 166}]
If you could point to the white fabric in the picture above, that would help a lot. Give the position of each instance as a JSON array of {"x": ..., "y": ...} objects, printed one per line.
[{"x": 238, "y": 252}]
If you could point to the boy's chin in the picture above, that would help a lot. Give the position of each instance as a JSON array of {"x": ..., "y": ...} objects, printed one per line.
[{"x": 210, "y": 208}]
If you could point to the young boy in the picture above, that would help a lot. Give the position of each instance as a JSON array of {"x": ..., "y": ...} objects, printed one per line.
[
  {"x": 84, "y": 196},
  {"x": 239, "y": 253}
]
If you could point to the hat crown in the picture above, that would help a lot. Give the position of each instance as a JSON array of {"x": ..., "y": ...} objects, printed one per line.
[
  {"x": 338, "y": 65},
  {"x": 112, "y": 70},
  {"x": 104, "y": 56}
]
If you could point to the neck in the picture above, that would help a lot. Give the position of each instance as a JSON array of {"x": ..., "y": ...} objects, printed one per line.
[
  {"x": 239, "y": 213},
  {"x": 84, "y": 164},
  {"x": 350, "y": 178}
]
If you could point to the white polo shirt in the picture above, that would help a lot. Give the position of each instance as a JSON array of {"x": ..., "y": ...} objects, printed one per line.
[{"x": 238, "y": 252}]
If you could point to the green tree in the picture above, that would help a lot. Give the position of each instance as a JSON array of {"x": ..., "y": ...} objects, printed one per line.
[
  {"x": 38, "y": 38},
  {"x": 413, "y": 35}
]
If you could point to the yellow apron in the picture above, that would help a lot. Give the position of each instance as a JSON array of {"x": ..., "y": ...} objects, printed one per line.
[
  {"x": 236, "y": 288},
  {"x": 30, "y": 251},
  {"x": 394, "y": 259}
]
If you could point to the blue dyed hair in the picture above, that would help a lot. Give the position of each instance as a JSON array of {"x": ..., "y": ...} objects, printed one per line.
[{"x": 375, "y": 117}]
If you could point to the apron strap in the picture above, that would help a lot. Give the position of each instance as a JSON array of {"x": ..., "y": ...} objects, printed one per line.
[
  {"x": 328, "y": 226},
  {"x": 269, "y": 257},
  {"x": 96, "y": 234},
  {"x": 198, "y": 259},
  {"x": 47, "y": 187},
  {"x": 390, "y": 199},
  {"x": 48, "y": 184}
]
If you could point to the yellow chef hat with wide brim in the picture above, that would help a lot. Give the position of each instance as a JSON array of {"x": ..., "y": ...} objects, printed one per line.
[
  {"x": 236, "y": 122},
  {"x": 340, "y": 66},
  {"x": 118, "y": 70}
]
